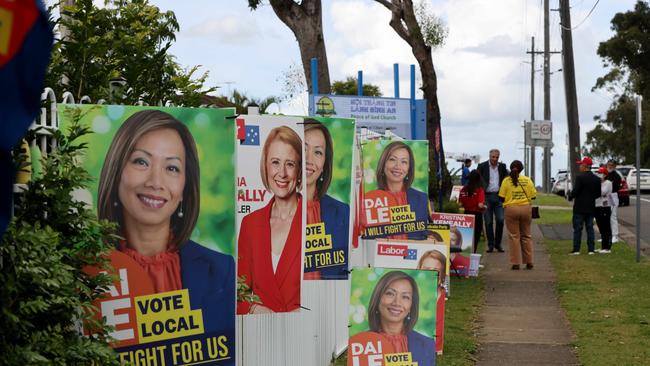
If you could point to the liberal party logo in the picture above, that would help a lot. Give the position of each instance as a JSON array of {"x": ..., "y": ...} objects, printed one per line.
[
  {"x": 325, "y": 107},
  {"x": 252, "y": 135},
  {"x": 411, "y": 254}
]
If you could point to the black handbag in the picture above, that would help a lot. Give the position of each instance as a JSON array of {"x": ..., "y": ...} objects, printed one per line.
[{"x": 535, "y": 210}]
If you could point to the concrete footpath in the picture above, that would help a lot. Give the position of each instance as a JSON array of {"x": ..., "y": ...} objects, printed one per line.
[{"x": 521, "y": 321}]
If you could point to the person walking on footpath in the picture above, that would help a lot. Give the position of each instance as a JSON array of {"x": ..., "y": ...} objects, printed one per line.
[
  {"x": 517, "y": 192},
  {"x": 492, "y": 174},
  {"x": 603, "y": 211},
  {"x": 585, "y": 191},
  {"x": 472, "y": 198},
  {"x": 464, "y": 178},
  {"x": 615, "y": 178}
]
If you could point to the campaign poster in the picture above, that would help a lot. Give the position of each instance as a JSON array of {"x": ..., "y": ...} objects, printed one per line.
[
  {"x": 386, "y": 306},
  {"x": 461, "y": 237},
  {"x": 396, "y": 203},
  {"x": 423, "y": 255},
  {"x": 329, "y": 144},
  {"x": 165, "y": 176},
  {"x": 455, "y": 193},
  {"x": 271, "y": 213}
]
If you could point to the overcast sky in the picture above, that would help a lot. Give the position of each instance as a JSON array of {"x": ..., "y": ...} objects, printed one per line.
[{"x": 483, "y": 69}]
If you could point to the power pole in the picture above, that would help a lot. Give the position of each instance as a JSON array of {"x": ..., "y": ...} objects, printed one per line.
[
  {"x": 546, "y": 184},
  {"x": 532, "y": 104},
  {"x": 570, "y": 87}
]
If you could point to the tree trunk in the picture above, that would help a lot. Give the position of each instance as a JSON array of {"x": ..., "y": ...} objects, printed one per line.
[
  {"x": 405, "y": 24},
  {"x": 306, "y": 23}
]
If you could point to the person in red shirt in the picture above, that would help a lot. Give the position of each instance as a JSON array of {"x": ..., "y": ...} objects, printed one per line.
[{"x": 472, "y": 198}]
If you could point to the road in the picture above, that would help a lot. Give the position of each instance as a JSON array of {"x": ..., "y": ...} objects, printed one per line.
[{"x": 627, "y": 215}]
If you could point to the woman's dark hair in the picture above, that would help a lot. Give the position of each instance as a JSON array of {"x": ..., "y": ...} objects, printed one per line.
[
  {"x": 473, "y": 182},
  {"x": 322, "y": 185},
  {"x": 515, "y": 168},
  {"x": 374, "y": 318},
  {"x": 124, "y": 142},
  {"x": 379, "y": 174}
]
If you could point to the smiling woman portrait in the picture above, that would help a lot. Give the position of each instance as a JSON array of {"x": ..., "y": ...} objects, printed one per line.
[
  {"x": 393, "y": 311},
  {"x": 321, "y": 207},
  {"x": 149, "y": 185},
  {"x": 395, "y": 174},
  {"x": 270, "y": 247}
]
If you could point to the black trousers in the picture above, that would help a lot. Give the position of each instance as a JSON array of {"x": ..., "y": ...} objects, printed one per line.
[
  {"x": 478, "y": 228},
  {"x": 603, "y": 215}
]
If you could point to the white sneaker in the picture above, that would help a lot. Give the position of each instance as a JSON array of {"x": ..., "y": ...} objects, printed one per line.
[
  {"x": 615, "y": 239},
  {"x": 574, "y": 253},
  {"x": 605, "y": 251},
  {"x": 597, "y": 250},
  {"x": 591, "y": 253},
  {"x": 599, "y": 240}
]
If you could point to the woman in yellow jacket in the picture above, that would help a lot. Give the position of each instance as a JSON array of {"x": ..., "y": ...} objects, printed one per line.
[{"x": 517, "y": 192}]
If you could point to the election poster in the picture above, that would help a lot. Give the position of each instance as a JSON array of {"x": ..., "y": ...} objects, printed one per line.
[
  {"x": 461, "y": 237},
  {"x": 329, "y": 144},
  {"x": 423, "y": 255},
  {"x": 393, "y": 317},
  {"x": 271, "y": 213},
  {"x": 164, "y": 176},
  {"x": 396, "y": 203}
]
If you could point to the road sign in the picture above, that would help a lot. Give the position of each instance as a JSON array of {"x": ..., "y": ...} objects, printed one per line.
[{"x": 541, "y": 130}]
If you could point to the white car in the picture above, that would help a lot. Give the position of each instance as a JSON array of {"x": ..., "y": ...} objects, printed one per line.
[{"x": 645, "y": 179}]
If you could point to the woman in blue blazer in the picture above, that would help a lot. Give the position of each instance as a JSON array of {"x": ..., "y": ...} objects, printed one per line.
[
  {"x": 149, "y": 185},
  {"x": 393, "y": 312},
  {"x": 334, "y": 214},
  {"x": 394, "y": 174}
]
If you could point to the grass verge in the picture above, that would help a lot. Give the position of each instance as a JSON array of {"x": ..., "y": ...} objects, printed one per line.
[
  {"x": 554, "y": 216},
  {"x": 549, "y": 199},
  {"x": 607, "y": 302}
]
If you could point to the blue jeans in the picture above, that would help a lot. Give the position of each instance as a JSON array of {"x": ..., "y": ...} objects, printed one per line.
[
  {"x": 578, "y": 220},
  {"x": 494, "y": 208}
]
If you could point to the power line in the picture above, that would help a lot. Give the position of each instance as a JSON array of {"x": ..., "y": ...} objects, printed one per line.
[{"x": 583, "y": 20}]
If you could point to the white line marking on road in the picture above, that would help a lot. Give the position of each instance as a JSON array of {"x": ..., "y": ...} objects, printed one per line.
[{"x": 642, "y": 199}]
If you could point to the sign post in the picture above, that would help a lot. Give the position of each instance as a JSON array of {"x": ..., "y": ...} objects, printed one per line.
[{"x": 639, "y": 99}]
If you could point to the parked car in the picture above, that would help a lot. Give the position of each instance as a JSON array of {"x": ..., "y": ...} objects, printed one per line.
[
  {"x": 624, "y": 169},
  {"x": 560, "y": 182},
  {"x": 645, "y": 180}
]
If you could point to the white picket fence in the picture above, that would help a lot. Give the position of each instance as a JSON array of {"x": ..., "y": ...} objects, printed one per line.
[{"x": 311, "y": 337}]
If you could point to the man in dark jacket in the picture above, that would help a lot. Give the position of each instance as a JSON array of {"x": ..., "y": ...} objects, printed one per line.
[
  {"x": 584, "y": 193},
  {"x": 492, "y": 174}
]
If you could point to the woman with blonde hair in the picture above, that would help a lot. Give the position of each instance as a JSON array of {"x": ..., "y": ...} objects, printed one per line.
[
  {"x": 517, "y": 192},
  {"x": 270, "y": 247}
]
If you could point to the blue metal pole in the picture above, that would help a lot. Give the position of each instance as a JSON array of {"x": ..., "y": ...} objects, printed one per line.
[
  {"x": 314, "y": 85},
  {"x": 360, "y": 83},
  {"x": 413, "y": 102},
  {"x": 396, "y": 78}
]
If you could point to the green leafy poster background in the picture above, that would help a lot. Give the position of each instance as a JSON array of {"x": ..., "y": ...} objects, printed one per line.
[
  {"x": 342, "y": 131},
  {"x": 214, "y": 135},
  {"x": 372, "y": 150},
  {"x": 363, "y": 283}
]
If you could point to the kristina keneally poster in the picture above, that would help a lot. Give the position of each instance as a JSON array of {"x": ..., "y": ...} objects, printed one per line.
[
  {"x": 395, "y": 179},
  {"x": 329, "y": 144},
  {"x": 270, "y": 213},
  {"x": 392, "y": 302},
  {"x": 165, "y": 175}
]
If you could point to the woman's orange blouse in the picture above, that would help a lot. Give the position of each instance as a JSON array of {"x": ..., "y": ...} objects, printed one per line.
[{"x": 164, "y": 269}]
